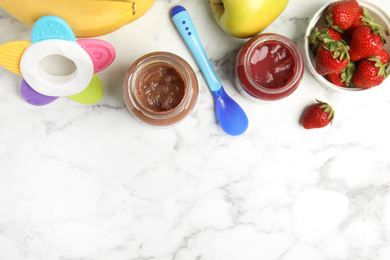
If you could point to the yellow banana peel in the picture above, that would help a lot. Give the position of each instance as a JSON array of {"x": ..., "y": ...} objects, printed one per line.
[{"x": 87, "y": 18}]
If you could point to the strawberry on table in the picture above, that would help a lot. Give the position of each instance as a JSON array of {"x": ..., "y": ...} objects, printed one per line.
[
  {"x": 332, "y": 56},
  {"x": 366, "y": 41},
  {"x": 341, "y": 14},
  {"x": 370, "y": 73},
  {"x": 317, "y": 115}
]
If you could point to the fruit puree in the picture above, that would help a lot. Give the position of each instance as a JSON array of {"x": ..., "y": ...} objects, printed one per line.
[
  {"x": 272, "y": 65},
  {"x": 269, "y": 67},
  {"x": 160, "y": 89}
]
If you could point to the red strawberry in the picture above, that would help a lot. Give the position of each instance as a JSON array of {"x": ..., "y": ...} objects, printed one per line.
[
  {"x": 334, "y": 35},
  {"x": 332, "y": 56},
  {"x": 369, "y": 73},
  {"x": 361, "y": 13},
  {"x": 343, "y": 78},
  {"x": 341, "y": 14},
  {"x": 317, "y": 115},
  {"x": 366, "y": 41},
  {"x": 383, "y": 56},
  {"x": 317, "y": 36},
  {"x": 337, "y": 79},
  {"x": 362, "y": 16}
]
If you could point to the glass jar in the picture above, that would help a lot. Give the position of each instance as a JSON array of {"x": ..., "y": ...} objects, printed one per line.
[
  {"x": 268, "y": 67},
  {"x": 160, "y": 89}
]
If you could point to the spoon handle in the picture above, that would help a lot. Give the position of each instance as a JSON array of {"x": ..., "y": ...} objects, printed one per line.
[{"x": 184, "y": 24}]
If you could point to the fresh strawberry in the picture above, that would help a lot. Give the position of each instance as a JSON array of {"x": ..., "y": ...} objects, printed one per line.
[
  {"x": 369, "y": 73},
  {"x": 361, "y": 13},
  {"x": 343, "y": 78},
  {"x": 341, "y": 14},
  {"x": 332, "y": 56},
  {"x": 362, "y": 16},
  {"x": 366, "y": 41},
  {"x": 334, "y": 35},
  {"x": 337, "y": 79},
  {"x": 317, "y": 115},
  {"x": 383, "y": 56},
  {"x": 317, "y": 36}
]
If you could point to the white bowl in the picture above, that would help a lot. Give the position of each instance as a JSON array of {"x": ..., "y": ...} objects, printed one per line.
[{"x": 379, "y": 17}]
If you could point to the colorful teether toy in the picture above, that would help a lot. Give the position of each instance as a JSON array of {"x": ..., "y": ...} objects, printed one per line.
[{"x": 52, "y": 36}]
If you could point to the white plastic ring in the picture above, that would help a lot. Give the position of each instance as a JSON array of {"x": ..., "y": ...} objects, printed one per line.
[{"x": 53, "y": 85}]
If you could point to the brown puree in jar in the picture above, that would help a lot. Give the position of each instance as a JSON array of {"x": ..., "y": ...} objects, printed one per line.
[{"x": 160, "y": 88}]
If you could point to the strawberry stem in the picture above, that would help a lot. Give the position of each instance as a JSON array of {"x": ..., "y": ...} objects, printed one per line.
[
  {"x": 339, "y": 49},
  {"x": 347, "y": 73},
  {"x": 376, "y": 28},
  {"x": 317, "y": 37},
  {"x": 382, "y": 67},
  {"x": 327, "y": 109}
]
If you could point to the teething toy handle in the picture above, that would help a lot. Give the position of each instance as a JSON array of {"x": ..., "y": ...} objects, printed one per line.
[{"x": 102, "y": 53}]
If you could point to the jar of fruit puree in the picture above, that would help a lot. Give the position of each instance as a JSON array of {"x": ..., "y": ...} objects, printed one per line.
[
  {"x": 160, "y": 89},
  {"x": 268, "y": 67}
]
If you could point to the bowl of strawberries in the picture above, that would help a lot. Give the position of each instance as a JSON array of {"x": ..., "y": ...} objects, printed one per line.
[{"x": 346, "y": 45}]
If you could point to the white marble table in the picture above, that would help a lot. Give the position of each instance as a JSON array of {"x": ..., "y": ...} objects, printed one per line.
[{"x": 92, "y": 183}]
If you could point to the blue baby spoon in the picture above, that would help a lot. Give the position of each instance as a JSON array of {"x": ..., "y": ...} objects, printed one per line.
[{"x": 231, "y": 117}]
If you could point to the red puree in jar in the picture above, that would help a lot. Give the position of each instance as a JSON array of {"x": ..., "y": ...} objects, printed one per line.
[
  {"x": 272, "y": 65},
  {"x": 269, "y": 67}
]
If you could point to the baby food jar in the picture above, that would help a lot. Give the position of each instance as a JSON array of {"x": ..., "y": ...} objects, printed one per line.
[
  {"x": 268, "y": 67},
  {"x": 160, "y": 89}
]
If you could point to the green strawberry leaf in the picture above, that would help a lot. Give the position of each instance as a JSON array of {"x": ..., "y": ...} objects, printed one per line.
[
  {"x": 366, "y": 13},
  {"x": 382, "y": 71},
  {"x": 327, "y": 109}
]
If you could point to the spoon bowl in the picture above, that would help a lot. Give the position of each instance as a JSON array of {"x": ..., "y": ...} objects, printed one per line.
[{"x": 230, "y": 115}]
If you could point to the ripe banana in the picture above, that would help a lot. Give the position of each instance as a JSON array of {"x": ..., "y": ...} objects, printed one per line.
[{"x": 87, "y": 18}]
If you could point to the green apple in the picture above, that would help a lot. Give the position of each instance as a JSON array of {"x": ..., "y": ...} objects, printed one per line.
[{"x": 246, "y": 18}]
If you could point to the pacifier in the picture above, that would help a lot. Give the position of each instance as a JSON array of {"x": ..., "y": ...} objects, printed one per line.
[{"x": 54, "y": 64}]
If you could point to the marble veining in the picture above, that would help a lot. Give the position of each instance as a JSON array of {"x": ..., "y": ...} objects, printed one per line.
[{"x": 92, "y": 183}]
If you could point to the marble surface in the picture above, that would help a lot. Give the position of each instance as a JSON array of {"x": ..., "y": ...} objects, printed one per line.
[{"x": 91, "y": 183}]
